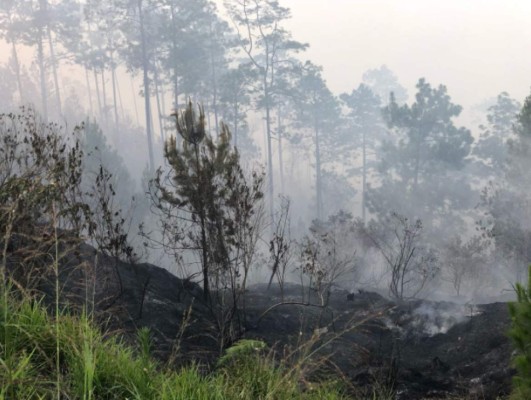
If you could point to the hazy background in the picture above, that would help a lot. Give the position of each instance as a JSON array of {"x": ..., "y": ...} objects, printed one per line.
[
  {"x": 346, "y": 161},
  {"x": 476, "y": 48}
]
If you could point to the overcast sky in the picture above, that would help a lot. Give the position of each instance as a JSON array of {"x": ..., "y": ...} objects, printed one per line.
[{"x": 477, "y": 48}]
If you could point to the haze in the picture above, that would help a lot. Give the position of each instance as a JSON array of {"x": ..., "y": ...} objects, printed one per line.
[
  {"x": 476, "y": 48},
  {"x": 439, "y": 168}
]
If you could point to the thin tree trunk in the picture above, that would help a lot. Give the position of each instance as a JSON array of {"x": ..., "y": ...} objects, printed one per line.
[
  {"x": 280, "y": 153},
  {"x": 54, "y": 71},
  {"x": 235, "y": 128},
  {"x": 163, "y": 108},
  {"x": 364, "y": 179},
  {"x": 214, "y": 83},
  {"x": 417, "y": 159},
  {"x": 134, "y": 101},
  {"x": 104, "y": 95},
  {"x": 17, "y": 71},
  {"x": 159, "y": 109},
  {"x": 146, "y": 87},
  {"x": 175, "y": 67},
  {"x": 98, "y": 95},
  {"x": 318, "y": 187},
  {"x": 89, "y": 91},
  {"x": 44, "y": 92},
  {"x": 114, "y": 96},
  {"x": 269, "y": 152},
  {"x": 122, "y": 112},
  {"x": 202, "y": 219}
]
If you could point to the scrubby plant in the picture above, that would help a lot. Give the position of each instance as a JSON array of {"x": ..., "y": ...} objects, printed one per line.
[
  {"x": 520, "y": 333},
  {"x": 211, "y": 215},
  {"x": 94, "y": 366}
]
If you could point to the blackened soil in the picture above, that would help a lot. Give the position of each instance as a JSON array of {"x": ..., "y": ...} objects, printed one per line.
[{"x": 420, "y": 349}]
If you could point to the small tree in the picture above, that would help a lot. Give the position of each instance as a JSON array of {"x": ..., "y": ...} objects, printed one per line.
[
  {"x": 211, "y": 212},
  {"x": 280, "y": 247},
  {"x": 410, "y": 264},
  {"x": 328, "y": 255},
  {"x": 464, "y": 262}
]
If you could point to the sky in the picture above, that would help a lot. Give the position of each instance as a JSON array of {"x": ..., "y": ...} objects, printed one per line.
[{"x": 477, "y": 48}]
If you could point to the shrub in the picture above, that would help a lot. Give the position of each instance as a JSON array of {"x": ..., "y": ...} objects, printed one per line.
[{"x": 520, "y": 333}]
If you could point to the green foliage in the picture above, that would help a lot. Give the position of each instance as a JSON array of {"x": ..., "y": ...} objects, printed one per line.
[
  {"x": 243, "y": 347},
  {"x": 520, "y": 333},
  {"x": 210, "y": 212},
  {"x": 48, "y": 199},
  {"x": 95, "y": 367}
]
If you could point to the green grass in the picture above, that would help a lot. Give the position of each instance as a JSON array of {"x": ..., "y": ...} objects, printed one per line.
[{"x": 92, "y": 366}]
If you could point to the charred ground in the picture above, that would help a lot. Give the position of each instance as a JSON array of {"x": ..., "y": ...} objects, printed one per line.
[{"x": 420, "y": 349}]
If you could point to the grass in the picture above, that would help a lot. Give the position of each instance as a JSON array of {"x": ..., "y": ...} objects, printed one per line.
[{"x": 91, "y": 366}]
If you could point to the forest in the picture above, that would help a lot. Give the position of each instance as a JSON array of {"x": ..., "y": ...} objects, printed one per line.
[{"x": 192, "y": 144}]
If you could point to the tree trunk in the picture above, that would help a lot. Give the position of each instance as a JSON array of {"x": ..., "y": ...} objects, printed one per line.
[
  {"x": 364, "y": 178},
  {"x": 122, "y": 112},
  {"x": 54, "y": 71},
  {"x": 235, "y": 128},
  {"x": 269, "y": 151},
  {"x": 134, "y": 100},
  {"x": 114, "y": 96},
  {"x": 157, "y": 98},
  {"x": 89, "y": 91},
  {"x": 280, "y": 153},
  {"x": 318, "y": 187},
  {"x": 104, "y": 96},
  {"x": 98, "y": 95},
  {"x": 214, "y": 83},
  {"x": 417, "y": 159},
  {"x": 44, "y": 91},
  {"x": 17, "y": 71},
  {"x": 145, "y": 67},
  {"x": 175, "y": 67},
  {"x": 202, "y": 219}
]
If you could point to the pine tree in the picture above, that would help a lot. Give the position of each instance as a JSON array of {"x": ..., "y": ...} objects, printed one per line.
[{"x": 209, "y": 206}]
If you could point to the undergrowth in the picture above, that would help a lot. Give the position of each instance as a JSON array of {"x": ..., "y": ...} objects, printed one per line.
[{"x": 92, "y": 366}]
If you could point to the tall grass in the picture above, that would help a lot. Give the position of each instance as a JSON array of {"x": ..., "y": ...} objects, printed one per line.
[{"x": 94, "y": 367}]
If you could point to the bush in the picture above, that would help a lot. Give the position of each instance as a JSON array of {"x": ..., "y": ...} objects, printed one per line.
[{"x": 520, "y": 333}]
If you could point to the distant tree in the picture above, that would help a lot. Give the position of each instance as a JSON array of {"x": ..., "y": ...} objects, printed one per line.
[
  {"x": 382, "y": 81},
  {"x": 328, "y": 256},
  {"x": 317, "y": 110},
  {"x": 491, "y": 148},
  {"x": 507, "y": 203},
  {"x": 99, "y": 153},
  {"x": 410, "y": 263},
  {"x": 7, "y": 88},
  {"x": 142, "y": 28},
  {"x": 365, "y": 124},
  {"x": 338, "y": 190},
  {"x": 421, "y": 165},
  {"x": 464, "y": 263},
  {"x": 103, "y": 40},
  {"x": 268, "y": 46},
  {"x": 234, "y": 102},
  {"x": 10, "y": 30},
  {"x": 39, "y": 23}
]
